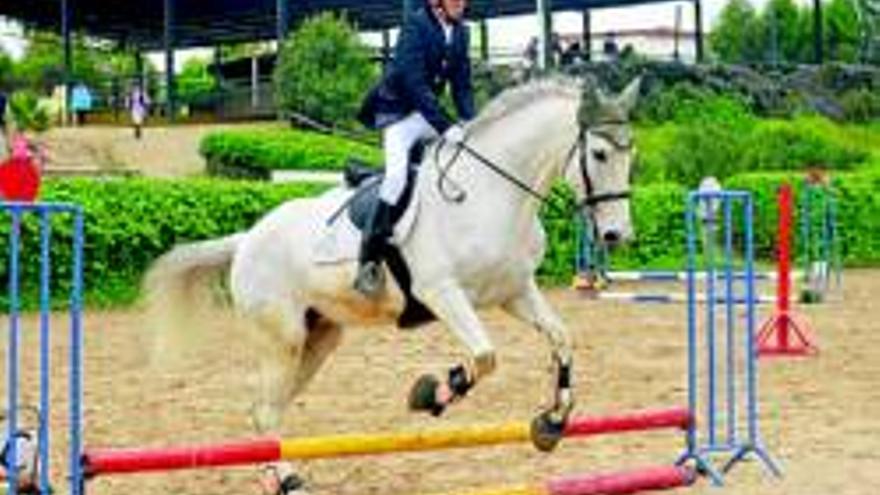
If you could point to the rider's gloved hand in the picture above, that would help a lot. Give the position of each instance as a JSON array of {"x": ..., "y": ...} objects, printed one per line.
[{"x": 455, "y": 134}]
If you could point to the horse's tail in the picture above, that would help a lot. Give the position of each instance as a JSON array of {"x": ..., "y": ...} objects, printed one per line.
[{"x": 182, "y": 288}]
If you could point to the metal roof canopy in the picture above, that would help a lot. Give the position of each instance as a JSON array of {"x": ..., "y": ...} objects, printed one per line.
[{"x": 140, "y": 23}]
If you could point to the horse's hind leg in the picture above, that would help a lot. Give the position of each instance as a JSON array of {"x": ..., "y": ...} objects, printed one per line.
[
  {"x": 323, "y": 337},
  {"x": 280, "y": 336},
  {"x": 292, "y": 347}
]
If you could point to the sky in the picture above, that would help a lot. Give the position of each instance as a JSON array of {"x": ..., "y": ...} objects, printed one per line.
[{"x": 512, "y": 32}]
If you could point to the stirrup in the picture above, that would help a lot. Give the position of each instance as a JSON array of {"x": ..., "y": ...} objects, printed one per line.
[{"x": 370, "y": 280}]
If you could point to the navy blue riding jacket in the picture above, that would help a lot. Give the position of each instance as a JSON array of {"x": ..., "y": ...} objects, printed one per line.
[{"x": 423, "y": 64}]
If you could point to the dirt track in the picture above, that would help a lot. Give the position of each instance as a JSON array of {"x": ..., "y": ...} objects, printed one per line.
[{"x": 821, "y": 417}]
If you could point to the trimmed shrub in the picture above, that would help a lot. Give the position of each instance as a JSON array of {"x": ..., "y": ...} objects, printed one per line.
[{"x": 255, "y": 153}]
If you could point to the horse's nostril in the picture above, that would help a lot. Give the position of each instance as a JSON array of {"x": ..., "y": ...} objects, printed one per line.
[{"x": 611, "y": 237}]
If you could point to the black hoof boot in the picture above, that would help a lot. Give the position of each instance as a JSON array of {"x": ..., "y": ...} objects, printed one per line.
[
  {"x": 292, "y": 485},
  {"x": 546, "y": 432},
  {"x": 370, "y": 280},
  {"x": 423, "y": 396}
]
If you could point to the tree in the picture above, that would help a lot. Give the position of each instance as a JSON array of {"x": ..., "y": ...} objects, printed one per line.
[
  {"x": 782, "y": 31},
  {"x": 95, "y": 63},
  {"x": 195, "y": 84},
  {"x": 324, "y": 70},
  {"x": 734, "y": 38},
  {"x": 841, "y": 35}
]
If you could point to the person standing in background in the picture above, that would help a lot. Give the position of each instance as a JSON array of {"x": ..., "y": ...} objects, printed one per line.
[
  {"x": 81, "y": 102},
  {"x": 138, "y": 104}
]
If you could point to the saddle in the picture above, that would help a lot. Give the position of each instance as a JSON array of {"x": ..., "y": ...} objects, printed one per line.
[{"x": 366, "y": 180}]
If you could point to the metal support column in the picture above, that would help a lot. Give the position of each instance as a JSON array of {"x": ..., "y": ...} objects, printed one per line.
[
  {"x": 545, "y": 34},
  {"x": 817, "y": 32},
  {"x": 218, "y": 81},
  {"x": 170, "y": 80},
  {"x": 484, "y": 40},
  {"x": 698, "y": 29},
  {"x": 587, "y": 34},
  {"x": 68, "y": 58},
  {"x": 282, "y": 13},
  {"x": 386, "y": 47}
]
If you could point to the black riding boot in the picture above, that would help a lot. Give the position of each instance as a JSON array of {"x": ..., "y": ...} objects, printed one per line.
[{"x": 370, "y": 279}]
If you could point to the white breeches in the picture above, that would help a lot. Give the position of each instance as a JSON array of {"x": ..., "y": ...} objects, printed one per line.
[{"x": 398, "y": 138}]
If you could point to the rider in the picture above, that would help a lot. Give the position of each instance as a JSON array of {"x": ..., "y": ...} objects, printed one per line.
[{"x": 431, "y": 51}]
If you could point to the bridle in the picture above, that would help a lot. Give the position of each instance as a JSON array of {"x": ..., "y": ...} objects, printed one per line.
[{"x": 591, "y": 199}]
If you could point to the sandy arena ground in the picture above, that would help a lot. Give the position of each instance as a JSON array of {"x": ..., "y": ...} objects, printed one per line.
[{"x": 821, "y": 417}]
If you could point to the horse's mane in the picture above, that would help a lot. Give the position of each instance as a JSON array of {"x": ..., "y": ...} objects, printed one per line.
[{"x": 515, "y": 98}]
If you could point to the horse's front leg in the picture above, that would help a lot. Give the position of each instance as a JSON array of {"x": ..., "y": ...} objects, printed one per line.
[
  {"x": 531, "y": 307},
  {"x": 451, "y": 306}
]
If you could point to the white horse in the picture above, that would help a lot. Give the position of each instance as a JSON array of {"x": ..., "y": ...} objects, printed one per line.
[{"x": 478, "y": 250}]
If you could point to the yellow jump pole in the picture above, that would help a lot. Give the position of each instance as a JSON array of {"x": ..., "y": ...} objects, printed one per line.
[
  {"x": 469, "y": 436},
  {"x": 371, "y": 444}
]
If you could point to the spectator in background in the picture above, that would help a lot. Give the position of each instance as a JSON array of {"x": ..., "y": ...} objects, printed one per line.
[
  {"x": 609, "y": 47},
  {"x": 571, "y": 55},
  {"x": 138, "y": 104},
  {"x": 531, "y": 53},
  {"x": 555, "y": 49},
  {"x": 81, "y": 102}
]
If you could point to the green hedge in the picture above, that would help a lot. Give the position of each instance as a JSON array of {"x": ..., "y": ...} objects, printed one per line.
[
  {"x": 658, "y": 213},
  {"x": 131, "y": 222},
  {"x": 255, "y": 153}
]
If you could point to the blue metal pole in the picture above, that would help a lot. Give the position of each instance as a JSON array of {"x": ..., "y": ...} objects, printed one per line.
[
  {"x": 690, "y": 221},
  {"x": 76, "y": 360},
  {"x": 751, "y": 351},
  {"x": 12, "y": 352},
  {"x": 710, "y": 230},
  {"x": 731, "y": 322},
  {"x": 45, "y": 346}
]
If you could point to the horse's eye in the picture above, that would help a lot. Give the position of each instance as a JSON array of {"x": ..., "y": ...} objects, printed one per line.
[{"x": 599, "y": 155}]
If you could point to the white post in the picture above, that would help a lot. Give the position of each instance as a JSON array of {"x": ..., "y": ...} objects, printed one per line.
[{"x": 255, "y": 81}]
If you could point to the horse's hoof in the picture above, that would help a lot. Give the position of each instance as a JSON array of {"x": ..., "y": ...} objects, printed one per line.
[
  {"x": 292, "y": 485},
  {"x": 546, "y": 432},
  {"x": 276, "y": 483},
  {"x": 423, "y": 395}
]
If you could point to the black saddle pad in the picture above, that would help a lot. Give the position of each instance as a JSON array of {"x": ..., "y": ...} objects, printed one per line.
[
  {"x": 367, "y": 180},
  {"x": 368, "y": 195}
]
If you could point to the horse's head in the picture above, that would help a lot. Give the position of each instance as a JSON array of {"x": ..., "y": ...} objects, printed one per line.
[{"x": 601, "y": 169}]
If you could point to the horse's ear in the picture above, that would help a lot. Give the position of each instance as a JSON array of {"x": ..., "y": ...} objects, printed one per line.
[
  {"x": 629, "y": 97},
  {"x": 591, "y": 102}
]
